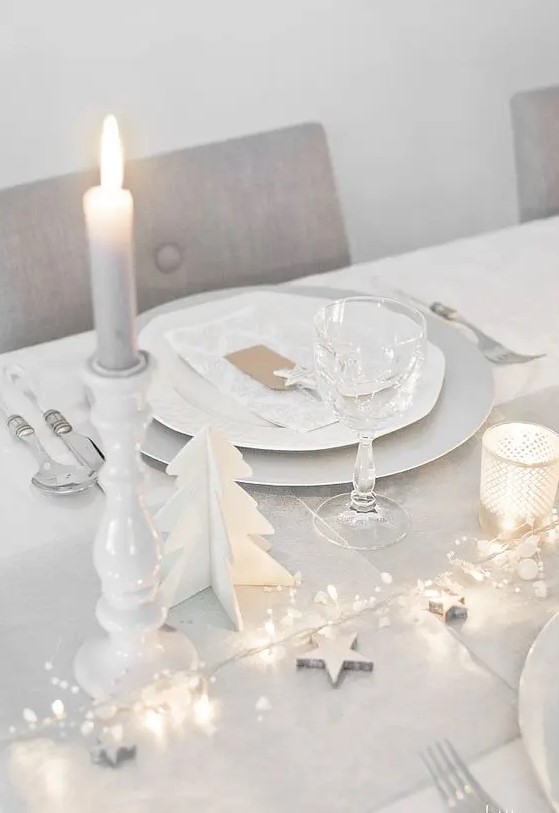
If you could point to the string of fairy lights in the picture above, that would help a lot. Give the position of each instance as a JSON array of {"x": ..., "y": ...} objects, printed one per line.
[{"x": 185, "y": 698}]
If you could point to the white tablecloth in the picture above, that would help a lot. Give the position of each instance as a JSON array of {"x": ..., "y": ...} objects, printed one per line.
[{"x": 317, "y": 749}]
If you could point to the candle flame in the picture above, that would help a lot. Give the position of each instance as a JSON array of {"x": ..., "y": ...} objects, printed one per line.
[{"x": 111, "y": 155}]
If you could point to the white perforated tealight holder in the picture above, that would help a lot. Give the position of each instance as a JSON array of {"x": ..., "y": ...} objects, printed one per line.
[{"x": 519, "y": 476}]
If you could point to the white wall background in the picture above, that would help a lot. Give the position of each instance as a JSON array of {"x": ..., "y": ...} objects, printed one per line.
[{"x": 413, "y": 93}]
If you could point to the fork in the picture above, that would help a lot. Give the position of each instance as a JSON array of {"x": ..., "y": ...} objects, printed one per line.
[
  {"x": 458, "y": 788},
  {"x": 493, "y": 350}
]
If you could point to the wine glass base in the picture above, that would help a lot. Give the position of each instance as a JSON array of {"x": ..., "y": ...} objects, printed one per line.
[{"x": 341, "y": 525}]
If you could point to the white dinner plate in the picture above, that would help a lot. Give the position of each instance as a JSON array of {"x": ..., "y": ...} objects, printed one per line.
[
  {"x": 185, "y": 401},
  {"x": 463, "y": 405},
  {"x": 538, "y": 708}
]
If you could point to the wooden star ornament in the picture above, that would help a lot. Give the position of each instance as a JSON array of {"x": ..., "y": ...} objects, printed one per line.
[{"x": 335, "y": 655}]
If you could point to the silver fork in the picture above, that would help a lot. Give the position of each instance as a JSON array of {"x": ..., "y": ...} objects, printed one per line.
[
  {"x": 493, "y": 350},
  {"x": 458, "y": 788}
]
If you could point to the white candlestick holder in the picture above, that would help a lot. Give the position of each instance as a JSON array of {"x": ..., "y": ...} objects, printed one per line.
[{"x": 127, "y": 550}]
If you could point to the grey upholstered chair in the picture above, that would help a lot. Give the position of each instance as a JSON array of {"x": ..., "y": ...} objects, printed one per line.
[
  {"x": 259, "y": 209},
  {"x": 535, "y": 118}
]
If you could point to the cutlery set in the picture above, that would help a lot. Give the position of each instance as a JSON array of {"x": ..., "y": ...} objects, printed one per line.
[{"x": 52, "y": 476}]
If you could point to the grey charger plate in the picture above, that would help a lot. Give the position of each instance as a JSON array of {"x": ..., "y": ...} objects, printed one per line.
[{"x": 463, "y": 406}]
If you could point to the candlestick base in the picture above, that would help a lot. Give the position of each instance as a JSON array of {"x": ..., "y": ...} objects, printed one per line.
[
  {"x": 127, "y": 551},
  {"x": 103, "y": 669}
]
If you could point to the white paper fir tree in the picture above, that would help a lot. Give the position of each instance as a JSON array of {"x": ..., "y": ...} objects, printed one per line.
[{"x": 214, "y": 527}]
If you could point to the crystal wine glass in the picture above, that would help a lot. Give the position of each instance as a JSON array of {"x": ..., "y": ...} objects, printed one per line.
[{"x": 368, "y": 356}]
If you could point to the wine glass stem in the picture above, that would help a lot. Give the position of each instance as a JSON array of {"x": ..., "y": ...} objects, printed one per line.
[{"x": 364, "y": 476}]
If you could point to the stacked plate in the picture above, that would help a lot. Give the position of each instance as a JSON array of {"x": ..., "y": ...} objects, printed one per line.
[
  {"x": 538, "y": 708},
  {"x": 453, "y": 398}
]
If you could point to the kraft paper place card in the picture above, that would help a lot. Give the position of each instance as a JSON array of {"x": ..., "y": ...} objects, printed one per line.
[{"x": 259, "y": 362}]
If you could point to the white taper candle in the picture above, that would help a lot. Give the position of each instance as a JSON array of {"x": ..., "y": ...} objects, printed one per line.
[{"x": 109, "y": 213}]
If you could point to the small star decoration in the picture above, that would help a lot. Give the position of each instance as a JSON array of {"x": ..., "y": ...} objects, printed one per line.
[
  {"x": 449, "y": 607},
  {"x": 112, "y": 755},
  {"x": 334, "y": 655}
]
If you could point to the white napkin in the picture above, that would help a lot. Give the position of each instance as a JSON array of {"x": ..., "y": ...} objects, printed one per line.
[{"x": 204, "y": 347}]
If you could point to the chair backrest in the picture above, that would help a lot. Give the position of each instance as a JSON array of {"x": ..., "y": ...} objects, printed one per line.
[
  {"x": 535, "y": 119},
  {"x": 258, "y": 209}
]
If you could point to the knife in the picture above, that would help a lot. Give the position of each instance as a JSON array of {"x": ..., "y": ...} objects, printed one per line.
[{"x": 81, "y": 446}]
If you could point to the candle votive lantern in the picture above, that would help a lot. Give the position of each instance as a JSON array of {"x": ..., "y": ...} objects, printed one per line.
[{"x": 519, "y": 477}]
